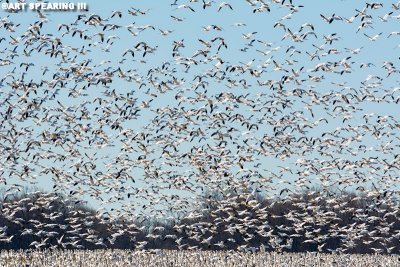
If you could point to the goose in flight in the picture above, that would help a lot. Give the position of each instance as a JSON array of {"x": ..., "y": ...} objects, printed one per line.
[
  {"x": 224, "y": 5},
  {"x": 185, "y": 7},
  {"x": 373, "y": 38},
  {"x": 331, "y": 18}
]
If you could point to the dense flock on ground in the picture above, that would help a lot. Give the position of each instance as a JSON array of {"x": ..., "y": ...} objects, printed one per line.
[
  {"x": 122, "y": 258},
  {"x": 184, "y": 129}
]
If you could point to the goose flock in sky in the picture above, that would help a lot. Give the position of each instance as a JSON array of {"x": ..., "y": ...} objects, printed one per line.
[{"x": 149, "y": 112}]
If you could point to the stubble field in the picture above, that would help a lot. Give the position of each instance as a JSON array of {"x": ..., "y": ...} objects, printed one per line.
[{"x": 161, "y": 258}]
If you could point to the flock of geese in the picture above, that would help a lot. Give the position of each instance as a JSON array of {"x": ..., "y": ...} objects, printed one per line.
[
  {"x": 121, "y": 258},
  {"x": 145, "y": 118}
]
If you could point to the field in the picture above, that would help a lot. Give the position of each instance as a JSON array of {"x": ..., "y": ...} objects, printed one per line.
[
  {"x": 162, "y": 258},
  {"x": 200, "y": 133}
]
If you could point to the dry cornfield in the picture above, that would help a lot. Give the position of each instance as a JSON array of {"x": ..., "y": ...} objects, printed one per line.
[
  {"x": 200, "y": 125},
  {"x": 161, "y": 258}
]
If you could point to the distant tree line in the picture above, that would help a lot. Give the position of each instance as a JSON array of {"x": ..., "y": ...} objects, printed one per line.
[{"x": 308, "y": 221}]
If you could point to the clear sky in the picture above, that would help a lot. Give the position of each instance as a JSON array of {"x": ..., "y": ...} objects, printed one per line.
[{"x": 245, "y": 45}]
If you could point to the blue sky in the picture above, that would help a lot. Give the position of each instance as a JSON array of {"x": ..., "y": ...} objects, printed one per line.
[{"x": 266, "y": 38}]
